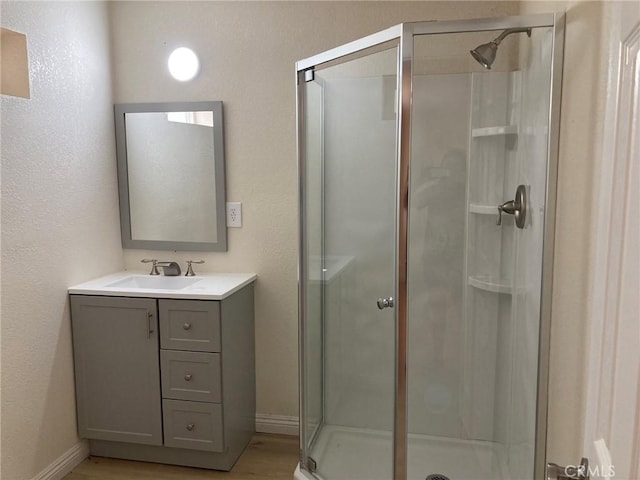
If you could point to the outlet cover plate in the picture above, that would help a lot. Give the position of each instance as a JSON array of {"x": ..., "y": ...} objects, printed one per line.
[{"x": 234, "y": 214}]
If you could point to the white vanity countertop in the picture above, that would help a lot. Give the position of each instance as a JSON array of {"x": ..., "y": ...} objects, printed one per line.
[{"x": 211, "y": 286}]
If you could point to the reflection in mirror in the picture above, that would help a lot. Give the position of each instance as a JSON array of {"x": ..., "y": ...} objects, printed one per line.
[
  {"x": 171, "y": 175},
  {"x": 161, "y": 207}
]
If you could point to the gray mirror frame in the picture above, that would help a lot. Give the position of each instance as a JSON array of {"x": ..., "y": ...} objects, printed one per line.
[{"x": 120, "y": 110}]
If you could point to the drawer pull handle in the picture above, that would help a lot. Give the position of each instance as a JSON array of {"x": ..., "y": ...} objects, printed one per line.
[
  {"x": 188, "y": 377},
  {"x": 187, "y": 326},
  {"x": 191, "y": 426}
]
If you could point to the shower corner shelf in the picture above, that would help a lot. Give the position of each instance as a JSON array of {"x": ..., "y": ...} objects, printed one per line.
[
  {"x": 494, "y": 131},
  {"x": 483, "y": 209},
  {"x": 488, "y": 284}
]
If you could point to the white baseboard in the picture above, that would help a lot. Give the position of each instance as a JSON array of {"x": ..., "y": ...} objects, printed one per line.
[
  {"x": 65, "y": 463},
  {"x": 281, "y": 424}
]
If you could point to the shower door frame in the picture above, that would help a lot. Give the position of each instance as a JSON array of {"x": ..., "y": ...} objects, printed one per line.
[{"x": 404, "y": 34}]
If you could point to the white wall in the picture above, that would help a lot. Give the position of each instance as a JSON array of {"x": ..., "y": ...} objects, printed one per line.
[
  {"x": 248, "y": 51},
  {"x": 59, "y": 220}
]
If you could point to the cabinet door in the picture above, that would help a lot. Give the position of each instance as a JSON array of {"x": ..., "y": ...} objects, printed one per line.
[{"x": 115, "y": 343}]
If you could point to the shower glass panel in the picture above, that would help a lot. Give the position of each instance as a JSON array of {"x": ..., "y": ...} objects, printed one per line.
[
  {"x": 474, "y": 286},
  {"x": 313, "y": 339},
  {"x": 348, "y": 241}
]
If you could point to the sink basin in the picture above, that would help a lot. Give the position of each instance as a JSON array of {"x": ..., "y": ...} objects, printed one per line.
[
  {"x": 127, "y": 283},
  {"x": 155, "y": 283}
]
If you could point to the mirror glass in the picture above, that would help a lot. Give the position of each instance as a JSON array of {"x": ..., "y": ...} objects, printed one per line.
[{"x": 171, "y": 175}]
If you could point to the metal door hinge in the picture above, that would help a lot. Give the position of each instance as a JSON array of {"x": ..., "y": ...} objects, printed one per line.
[
  {"x": 309, "y": 75},
  {"x": 571, "y": 472},
  {"x": 311, "y": 465}
]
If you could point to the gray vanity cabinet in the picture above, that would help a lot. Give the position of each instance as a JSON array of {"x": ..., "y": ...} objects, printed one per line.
[
  {"x": 115, "y": 343},
  {"x": 166, "y": 380}
]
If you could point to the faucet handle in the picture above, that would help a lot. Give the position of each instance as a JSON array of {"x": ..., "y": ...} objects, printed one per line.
[
  {"x": 154, "y": 267},
  {"x": 190, "y": 272}
]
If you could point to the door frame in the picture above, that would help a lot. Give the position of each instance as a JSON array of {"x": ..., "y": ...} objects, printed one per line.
[{"x": 613, "y": 364}]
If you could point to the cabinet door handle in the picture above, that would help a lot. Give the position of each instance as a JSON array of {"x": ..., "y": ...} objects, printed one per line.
[
  {"x": 186, "y": 326},
  {"x": 188, "y": 377},
  {"x": 191, "y": 426},
  {"x": 149, "y": 329}
]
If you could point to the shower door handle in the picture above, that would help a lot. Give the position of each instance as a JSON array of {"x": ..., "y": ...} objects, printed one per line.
[
  {"x": 385, "y": 303},
  {"x": 516, "y": 207}
]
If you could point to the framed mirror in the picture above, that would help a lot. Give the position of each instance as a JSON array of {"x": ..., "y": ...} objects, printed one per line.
[{"x": 171, "y": 175}]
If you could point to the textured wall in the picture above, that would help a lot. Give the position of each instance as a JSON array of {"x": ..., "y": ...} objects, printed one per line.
[
  {"x": 248, "y": 51},
  {"x": 59, "y": 220}
]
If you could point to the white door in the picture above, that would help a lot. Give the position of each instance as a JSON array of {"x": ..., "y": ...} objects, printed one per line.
[{"x": 612, "y": 421}]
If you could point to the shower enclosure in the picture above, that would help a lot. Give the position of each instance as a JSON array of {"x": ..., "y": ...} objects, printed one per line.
[{"x": 427, "y": 163}]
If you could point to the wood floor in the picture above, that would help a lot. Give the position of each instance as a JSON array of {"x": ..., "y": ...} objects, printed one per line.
[{"x": 269, "y": 457}]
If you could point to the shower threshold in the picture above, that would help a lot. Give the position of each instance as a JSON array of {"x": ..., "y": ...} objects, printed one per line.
[{"x": 346, "y": 453}]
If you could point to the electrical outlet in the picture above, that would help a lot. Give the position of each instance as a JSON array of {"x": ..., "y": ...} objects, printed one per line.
[{"x": 234, "y": 214}]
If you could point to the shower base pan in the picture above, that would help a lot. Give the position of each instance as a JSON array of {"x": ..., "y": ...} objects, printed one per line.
[{"x": 344, "y": 453}]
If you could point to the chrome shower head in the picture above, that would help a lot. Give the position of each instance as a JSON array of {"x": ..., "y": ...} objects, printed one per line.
[{"x": 485, "y": 54}]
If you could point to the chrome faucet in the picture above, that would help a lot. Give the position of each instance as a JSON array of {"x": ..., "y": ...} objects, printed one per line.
[{"x": 170, "y": 269}]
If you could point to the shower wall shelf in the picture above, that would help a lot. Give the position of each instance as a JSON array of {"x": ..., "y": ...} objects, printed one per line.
[
  {"x": 483, "y": 209},
  {"x": 494, "y": 131},
  {"x": 492, "y": 285}
]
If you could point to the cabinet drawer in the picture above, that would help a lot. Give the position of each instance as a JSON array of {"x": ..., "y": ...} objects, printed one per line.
[
  {"x": 190, "y": 325},
  {"x": 190, "y": 376},
  {"x": 193, "y": 425}
]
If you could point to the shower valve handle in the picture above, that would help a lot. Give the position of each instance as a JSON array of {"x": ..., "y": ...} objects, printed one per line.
[
  {"x": 516, "y": 207},
  {"x": 507, "y": 207}
]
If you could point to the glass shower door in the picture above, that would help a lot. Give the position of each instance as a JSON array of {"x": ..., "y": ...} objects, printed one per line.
[{"x": 348, "y": 174}]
